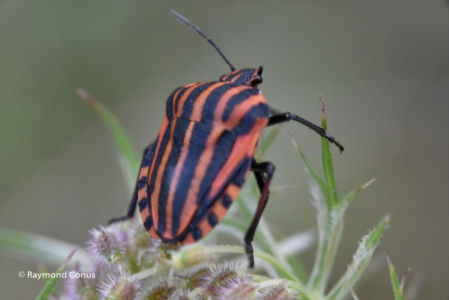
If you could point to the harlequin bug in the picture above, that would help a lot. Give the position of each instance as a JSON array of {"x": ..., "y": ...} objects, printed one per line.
[{"x": 194, "y": 170}]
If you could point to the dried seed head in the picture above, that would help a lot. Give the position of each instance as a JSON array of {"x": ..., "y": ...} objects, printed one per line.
[
  {"x": 107, "y": 245},
  {"x": 121, "y": 287},
  {"x": 79, "y": 288},
  {"x": 200, "y": 278},
  {"x": 221, "y": 275},
  {"x": 161, "y": 291},
  {"x": 279, "y": 292},
  {"x": 181, "y": 294},
  {"x": 236, "y": 288}
]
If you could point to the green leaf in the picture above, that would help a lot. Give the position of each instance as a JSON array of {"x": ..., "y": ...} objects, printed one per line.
[
  {"x": 298, "y": 267},
  {"x": 328, "y": 167},
  {"x": 309, "y": 169},
  {"x": 129, "y": 161},
  {"x": 344, "y": 203},
  {"x": 267, "y": 142},
  {"x": 45, "y": 249},
  {"x": 330, "y": 222},
  {"x": 360, "y": 261},
  {"x": 397, "y": 287},
  {"x": 376, "y": 234},
  {"x": 50, "y": 284}
]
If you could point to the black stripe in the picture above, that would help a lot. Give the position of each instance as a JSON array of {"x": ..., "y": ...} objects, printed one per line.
[
  {"x": 258, "y": 111},
  {"x": 239, "y": 178},
  {"x": 142, "y": 182},
  {"x": 148, "y": 154},
  {"x": 148, "y": 223},
  {"x": 245, "y": 77},
  {"x": 221, "y": 152},
  {"x": 184, "y": 89},
  {"x": 196, "y": 233},
  {"x": 200, "y": 133},
  {"x": 143, "y": 203},
  {"x": 158, "y": 159},
  {"x": 223, "y": 146},
  {"x": 236, "y": 100},
  {"x": 169, "y": 104},
  {"x": 212, "y": 101},
  {"x": 238, "y": 78},
  {"x": 229, "y": 77},
  {"x": 226, "y": 201},
  {"x": 177, "y": 145},
  {"x": 190, "y": 101},
  {"x": 212, "y": 219},
  {"x": 236, "y": 177}
]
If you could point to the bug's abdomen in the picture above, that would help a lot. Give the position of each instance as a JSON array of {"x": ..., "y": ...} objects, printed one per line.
[{"x": 202, "y": 155}]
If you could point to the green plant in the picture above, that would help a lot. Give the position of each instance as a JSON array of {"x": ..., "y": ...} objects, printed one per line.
[{"x": 128, "y": 264}]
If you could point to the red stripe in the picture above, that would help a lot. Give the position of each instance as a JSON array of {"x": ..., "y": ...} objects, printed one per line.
[{"x": 167, "y": 150}]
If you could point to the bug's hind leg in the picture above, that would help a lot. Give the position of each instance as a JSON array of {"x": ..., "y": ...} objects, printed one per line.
[
  {"x": 133, "y": 203},
  {"x": 263, "y": 172},
  {"x": 277, "y": 118},
  {"x": 131, "y": 210}
]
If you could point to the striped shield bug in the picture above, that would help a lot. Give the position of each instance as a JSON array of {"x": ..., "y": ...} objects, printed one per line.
[{"x": 194, "y": 170}]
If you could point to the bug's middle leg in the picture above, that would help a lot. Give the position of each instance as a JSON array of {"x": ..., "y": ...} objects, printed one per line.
[{"x": 263, "y": 172}]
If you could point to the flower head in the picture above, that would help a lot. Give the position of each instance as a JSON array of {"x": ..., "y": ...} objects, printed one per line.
[
  {"x": 107, "y": 245},
  {"x": 79, "y": 287},
  {"x": 236, "y": 287},
  {"x": 161, "y": 291},
  {"x": 121, "y": 287},
  {"x": 279, "y": 292}
]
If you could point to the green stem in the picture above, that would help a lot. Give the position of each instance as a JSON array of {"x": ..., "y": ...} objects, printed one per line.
[
  {"x": 326, "y": 255},
  {"x": 330, "y": 235}
]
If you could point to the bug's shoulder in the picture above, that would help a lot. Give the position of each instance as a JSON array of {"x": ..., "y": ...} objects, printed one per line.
[
  {"x": 244, "y": 105},
  {"x": 181, "y": 100},
  {"x": 215, "y": 101}
]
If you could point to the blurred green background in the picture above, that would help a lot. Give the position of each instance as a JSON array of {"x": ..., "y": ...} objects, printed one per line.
[{"x": 382, "y": 66}]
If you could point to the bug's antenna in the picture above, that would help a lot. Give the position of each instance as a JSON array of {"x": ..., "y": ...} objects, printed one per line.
[{"x": 194, "y": 27}]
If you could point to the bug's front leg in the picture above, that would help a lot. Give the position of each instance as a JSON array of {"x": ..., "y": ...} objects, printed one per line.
[
  {"x": 277, "y": 118},
  {"x": 263, "y": 172},
  {"x": 133, "y": 203}
]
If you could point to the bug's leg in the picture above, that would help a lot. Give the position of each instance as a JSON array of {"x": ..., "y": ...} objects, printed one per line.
[
  {"x": 263, "y": 172},
  {"x": 288, "y": 116},
  {"x": 131, "y": 210},
  {"x": 133, "y": 203}
]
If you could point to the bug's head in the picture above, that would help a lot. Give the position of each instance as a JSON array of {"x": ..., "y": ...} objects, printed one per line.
[{"x": 250, "y": 77}]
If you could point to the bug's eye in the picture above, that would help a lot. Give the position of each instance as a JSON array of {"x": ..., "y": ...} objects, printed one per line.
[{"x": 256, "y": 80}]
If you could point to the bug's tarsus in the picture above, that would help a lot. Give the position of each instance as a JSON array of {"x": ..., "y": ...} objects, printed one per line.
[
  {"x": 202, "y": 34},
  {"x": 277, "y": 118},
  {"x": 263, "y": 172}
]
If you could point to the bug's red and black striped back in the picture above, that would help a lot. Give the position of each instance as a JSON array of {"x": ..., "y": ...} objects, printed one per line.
[
  {"x": 199, "y": 161},
  {"x": 196, "y": 167}
]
